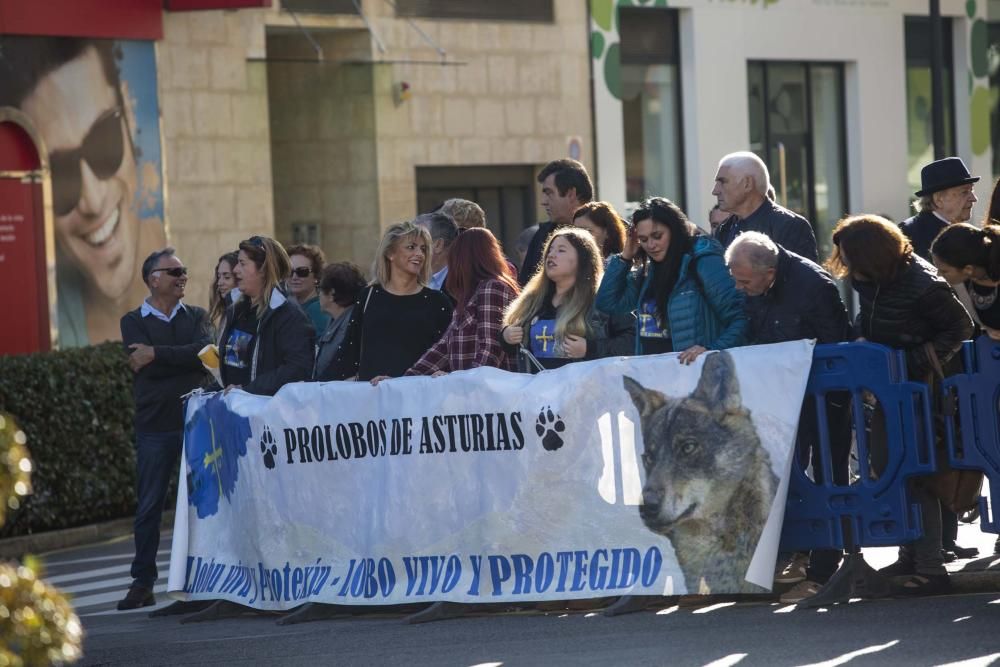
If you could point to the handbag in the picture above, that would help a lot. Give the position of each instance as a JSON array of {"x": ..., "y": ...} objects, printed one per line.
[{"x": 957, "y": 489}]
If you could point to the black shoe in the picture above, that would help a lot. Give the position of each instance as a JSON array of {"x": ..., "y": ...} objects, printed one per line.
[
  {"x": 924, "y": 584},
  {"x": 900, "y": 568},
  {"x": 137, "y": 596},
  {"x": 964, "y": 552}
]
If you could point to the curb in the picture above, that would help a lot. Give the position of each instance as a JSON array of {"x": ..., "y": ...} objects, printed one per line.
[{"x": 14, "y": 548}]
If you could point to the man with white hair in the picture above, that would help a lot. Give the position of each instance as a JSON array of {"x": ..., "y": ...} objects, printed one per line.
[
  {"x": 741, "y": 186},
  {"x": 791, "y": 298}
]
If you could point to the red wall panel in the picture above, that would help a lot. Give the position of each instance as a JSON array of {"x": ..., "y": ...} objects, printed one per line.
[
  {"x": 17, "y": 152},
  {"x": 191, "y": 5},
  {"x": 124, "y": 19}
]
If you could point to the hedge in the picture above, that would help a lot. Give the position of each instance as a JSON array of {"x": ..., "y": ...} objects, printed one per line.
[{"x": 75, "y": 406}]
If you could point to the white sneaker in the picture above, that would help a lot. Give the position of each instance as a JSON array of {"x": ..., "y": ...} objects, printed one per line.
[{"x": 793, "y": 571}]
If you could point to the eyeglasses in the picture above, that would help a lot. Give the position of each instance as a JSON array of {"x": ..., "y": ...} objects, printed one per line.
[
  {"x": 301, "y": 272},
  {"x": 103, "y": 150},
  {"x": 175, "y": 272}
]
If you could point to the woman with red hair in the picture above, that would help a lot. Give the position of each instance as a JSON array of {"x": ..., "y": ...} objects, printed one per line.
[{"x": 480, "y": 282}]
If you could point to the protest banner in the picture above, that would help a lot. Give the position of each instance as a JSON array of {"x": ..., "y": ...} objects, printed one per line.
[{"x": 619, "y": 476}]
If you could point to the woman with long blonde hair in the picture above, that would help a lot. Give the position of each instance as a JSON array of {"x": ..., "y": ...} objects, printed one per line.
[
  {"x": 554, "y": 317},
  {"x": 397, "y": 317},
  {"x": 267, "y": 341}
]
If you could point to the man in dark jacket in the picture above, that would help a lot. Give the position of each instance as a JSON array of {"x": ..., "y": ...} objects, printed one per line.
[
  {"x": 741, "y": 186},
  {"x": 792, "y": 298},
  {"x": 163, "y": 337},
  {"x": 789, "y": 297},
  {"x": 566, "y": 187},
  {"x": 946, "y": 197}
]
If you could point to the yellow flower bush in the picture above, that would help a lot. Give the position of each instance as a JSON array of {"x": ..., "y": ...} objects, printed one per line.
[{"x": 37, "y": 624}]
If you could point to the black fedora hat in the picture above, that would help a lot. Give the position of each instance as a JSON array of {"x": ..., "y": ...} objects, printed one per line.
[{"x": 942, "y": 174}]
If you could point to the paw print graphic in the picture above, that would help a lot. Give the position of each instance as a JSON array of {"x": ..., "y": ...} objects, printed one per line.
[
  {"x": 548, "y": 426},
  {"x": 268, "y": 448}
]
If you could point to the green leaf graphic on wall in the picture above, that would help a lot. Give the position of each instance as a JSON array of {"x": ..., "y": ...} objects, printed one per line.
[
  {"x": 604, "y": 39},
  {"x": 982, "y": 100}
]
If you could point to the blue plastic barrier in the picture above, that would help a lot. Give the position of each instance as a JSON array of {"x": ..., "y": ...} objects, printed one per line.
[
  {"x": 976, "y": 396},
  {"x": 876, "y": 512}
]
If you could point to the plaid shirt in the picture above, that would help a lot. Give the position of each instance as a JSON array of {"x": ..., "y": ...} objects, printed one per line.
[{"x": 473, "y": 338}]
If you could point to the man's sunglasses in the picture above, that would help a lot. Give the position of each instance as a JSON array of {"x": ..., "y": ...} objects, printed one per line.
[
  {"x": 102, "y": 149},
  {"x": 301, "y": 272},
  {"x": 175, "y": 272}
]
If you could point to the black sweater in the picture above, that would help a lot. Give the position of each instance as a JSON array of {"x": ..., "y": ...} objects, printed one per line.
[
  {"x": 175, "y": 369},
  {"x": 388, "y": 333}
]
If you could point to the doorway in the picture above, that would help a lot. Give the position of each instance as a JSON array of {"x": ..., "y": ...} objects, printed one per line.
[
  {"x": 505, "y": 192},
  {"x": 797, "y": 126}
]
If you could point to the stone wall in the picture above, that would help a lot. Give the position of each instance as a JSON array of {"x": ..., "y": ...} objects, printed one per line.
[
  {"x": 237, "y": 166},
  {"x": 520, "y": 92},
  {"x": 215, "y": 132}
]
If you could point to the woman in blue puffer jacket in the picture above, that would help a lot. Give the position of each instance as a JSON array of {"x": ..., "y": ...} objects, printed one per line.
[{"x": 683, "y": 296}]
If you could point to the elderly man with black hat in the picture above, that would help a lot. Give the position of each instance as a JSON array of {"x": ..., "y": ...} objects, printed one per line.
[{"x": 945, "y": 198}]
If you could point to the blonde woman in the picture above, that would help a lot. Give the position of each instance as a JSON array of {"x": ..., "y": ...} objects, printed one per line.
[
  {"x": 397, "y": 317},
  {"x": 554, "y": 317},
  {"x": 268, "y": 340}
]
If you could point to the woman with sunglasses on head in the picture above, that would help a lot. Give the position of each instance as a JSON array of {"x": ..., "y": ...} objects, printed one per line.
[
  {"x": 482, "y": 285},
  {"x": 970, "y": 256},
  {"x": 684, "y": 298},
  {"x": 303, "y": 279},
  {"x": 554, "y": 317},
  {"x": 398, "y": 317},
  {"x": 268, "y": 340},
  {"x": 223, "y": 284}
]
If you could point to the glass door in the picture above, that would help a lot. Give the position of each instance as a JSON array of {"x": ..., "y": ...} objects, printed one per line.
[{"x": 797, "y": 128}]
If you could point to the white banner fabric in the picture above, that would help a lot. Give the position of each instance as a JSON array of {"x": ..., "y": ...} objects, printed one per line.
[{"x": 490, "y": 486}]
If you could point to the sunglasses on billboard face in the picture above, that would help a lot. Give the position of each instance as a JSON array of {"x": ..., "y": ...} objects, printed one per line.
[
  {"x": 102, "y": 149},
  {"x": 175, "y": 272},
  {"x": 301, "y": 272}
]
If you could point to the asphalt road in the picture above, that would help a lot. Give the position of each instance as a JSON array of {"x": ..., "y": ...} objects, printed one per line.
[{"x": 930, "y": 631}]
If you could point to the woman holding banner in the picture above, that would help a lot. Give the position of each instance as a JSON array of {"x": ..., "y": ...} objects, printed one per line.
[
  {"x": 267, "y": 341},
  {"x": 480, "y": 282},
  {"x": 398, "y": 317},
  {"x": 906, "y": 305},
  {"x": 554, "y": 317},
  {"x": 683, "y": 295}
]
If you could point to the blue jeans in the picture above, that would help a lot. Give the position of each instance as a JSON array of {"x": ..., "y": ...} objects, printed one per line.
[{"x": 156, "y": 459}]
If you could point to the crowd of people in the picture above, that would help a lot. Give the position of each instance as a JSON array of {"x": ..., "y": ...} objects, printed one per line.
[{"x": 442, "y": 296}]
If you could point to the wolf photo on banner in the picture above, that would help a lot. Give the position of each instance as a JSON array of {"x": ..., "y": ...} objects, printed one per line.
[
  {"x": 486, "y": 486},
  {"x": 94, "y": 105},
  {"x": 709, "y": 481}
]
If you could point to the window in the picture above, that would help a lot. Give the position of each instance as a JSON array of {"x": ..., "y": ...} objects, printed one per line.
[
  {"x": 797, "y": 128},
  {"x": 320, "y": 6},
  {"x": 920, "y": 142},
  {"x": 993, "y": 59},
  {"x": 539, "y": 11},
  {"x": 651, "y": 103}
]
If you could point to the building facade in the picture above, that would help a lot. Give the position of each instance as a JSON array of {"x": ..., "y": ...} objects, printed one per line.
[{"x": 833, "y": 94}]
